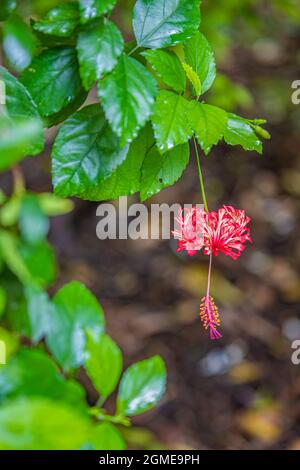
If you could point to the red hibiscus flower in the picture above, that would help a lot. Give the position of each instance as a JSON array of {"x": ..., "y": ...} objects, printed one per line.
[
  {"x": 226, "y": 231},
  {"x": 190, "y": 230}
]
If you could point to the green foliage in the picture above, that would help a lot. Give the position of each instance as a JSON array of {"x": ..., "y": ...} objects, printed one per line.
[
  {"x": 3, "y": 299},
  {"x": 71, "y": 326},
  {"x": 40, "y": 261},
  {"x": 99, "y": 46},
  {"x": 6, "y": 8},
  {"x": 11, "y": 341},
  {"x": 19, "y": 43},
  {"x": 240, "y": 132},
  {"x": 126, "y": 178},
  {"x": 209, "y": 124},
  {"x": 75, "y": 311},
  {"x": 171, "y": 120},
  {"x": 34, "y": 223},
  {"x": 199, "y": 55},
  {"x": 61, "y": 21},
  {"x": 103, "y": 364},
  {"x": 10, "y": 254},
  {"x": 53, "y": 205},
  {"x": 82, "y": 139},
  {"x": 193, "y": 78},
  {"x": 54, "y": 73},
  {"x": 19, "y": 108},
  {"x": 16, "y": 139},
  {"x": 105, "y": 436},
  {"x": 161, "y": 171},
  {"x": 127, "y": 96},
  {"x": 168, "y": 67},
  {"x": 32, "y": 373},
  {"x": 158, "y": 78},
  {"x": 159, "y": 24},
  {"x": 142, "y": 385},
  {"x": 41, "y": 423},
  {"x": 91, "y": 9},
  {"x": 38, "y": 312}
]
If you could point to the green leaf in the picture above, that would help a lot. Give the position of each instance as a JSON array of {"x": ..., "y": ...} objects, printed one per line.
[
  {"x": 91, "y": 9},
  {"x": 16, "y": 139},
  {"x": 142, "y": 386},
  {"x": 11, "y": 342},
  {"x": 165, "y": 23},
  {"x": 193, "y": 78},
  {"x": 54, "y": 73},
  {"x": 125, "y": 180},
  {"x": 29, "y": 263},
  {"x": 54, "y": 205},
  {"x": 62, "y": 115},
  {"x": 127, "y": 95},
  {"x": 40, "y": 262},
  {"x": 19, "y": 44},
  {"x": 239, "y": 132},
  {"x": 168, "y": 67},
  {"x": 16, "y": 316},
  {"x": 107, "y": 437},
  {"x": 6, "y": 8},
  {"x": 10, "y": 251},
  {"x": 199, "y": 55},
  {"x": 9, "y": 213},
  {"x": 103, "y": 364},
  {"x": 209, "y": 124},
  {"x": 42, "y": 424},
  {"x": 60, "y": 21},
  {"x": 34, "y": 224},
  {"x": 85, "y": 153},
  {"x": 160, "y": 171},
  {"x": 75, "y": 312},
  {"x": 3, "y": 197},
  {"x": 20, "y": 107},
  {"x": 47, "y": 41},
  {"x": 170, "y": 120},
  {"x": 3, "y": 300},
  {"x": 32, "y": 373},
  {"x": 99, "y": 46},
  {"x": 38, "y": 311}
]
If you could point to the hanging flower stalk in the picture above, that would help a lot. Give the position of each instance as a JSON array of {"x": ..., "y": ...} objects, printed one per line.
[{"x": 225, "y": 231}]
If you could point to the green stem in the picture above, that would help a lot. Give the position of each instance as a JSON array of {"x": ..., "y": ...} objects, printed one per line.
[
  {"x": 100, "y": 402},
  {"x": 100, "y": 415},
  {"x": 200, "y": 176},
  {"x": 120, "y": 420},
  {"x": 133, "y": 50}
]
